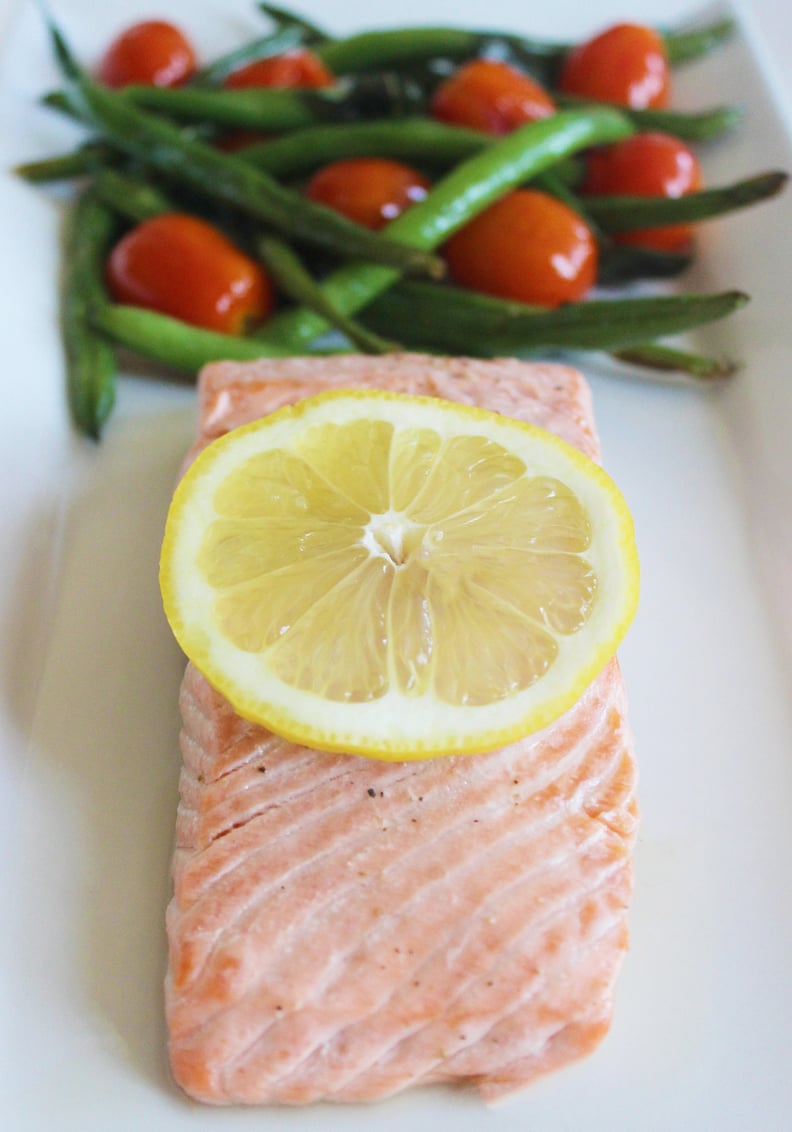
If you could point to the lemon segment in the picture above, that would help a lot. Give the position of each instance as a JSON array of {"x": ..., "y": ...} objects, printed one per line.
[{"x": 396, "y": 576}]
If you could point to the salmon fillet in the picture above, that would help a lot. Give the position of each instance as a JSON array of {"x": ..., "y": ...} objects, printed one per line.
[{"x": 341, "y": 928}]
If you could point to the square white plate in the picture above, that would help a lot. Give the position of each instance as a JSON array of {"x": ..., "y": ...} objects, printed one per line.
[{"x": 89, "y": 672}]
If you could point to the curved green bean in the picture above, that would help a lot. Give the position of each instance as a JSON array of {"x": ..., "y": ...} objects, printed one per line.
[
  {"x": 172, "y": 342},
  {"x": 131, "y": 197},
  {"x": 627, "y": 213},
  {"x": 625, "y": 263},
  {"x": 90, "y": 358},
  {"x": 450, "y": 318},
  {"x": 249, "y": 108},
  {"x": 420, "y": 140},
  {"x": 696, "y": 126},
  {"x": 653, "y": 355},
  {"x": 275, "y": 109},
  {"x": 61, "y": 167},
  {"x": 293, "y": 280},
  {"x": 387, "y": 48},
  {"x": 285, "y": 17},
  {"x": 686, "y": 44}
]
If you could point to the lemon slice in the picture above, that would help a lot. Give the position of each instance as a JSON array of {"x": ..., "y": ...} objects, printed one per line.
[{"x": 397, "y": 576}]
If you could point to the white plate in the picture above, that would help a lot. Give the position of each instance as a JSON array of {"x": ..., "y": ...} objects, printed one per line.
[{"x": 89, "y": 674}]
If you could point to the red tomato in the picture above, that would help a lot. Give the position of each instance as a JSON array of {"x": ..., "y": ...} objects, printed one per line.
[
  {"x": 153, "y": 52},
  {"x": 529, "y": 247},
  {"x": 369, "y": 190},
  {"x": 491, "y": 96},
  {"x": 626, "y": 65},
  {"x": 181, "y": 266},
  {"x": 296, "y": 68},
  {"x": 646, "y": 165}
]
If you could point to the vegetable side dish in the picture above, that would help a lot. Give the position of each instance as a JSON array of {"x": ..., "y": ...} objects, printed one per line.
[{"x": 430, "y": 188}]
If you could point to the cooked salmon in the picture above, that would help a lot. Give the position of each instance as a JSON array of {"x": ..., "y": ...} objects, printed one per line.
[{"x": 342, "y": 928}]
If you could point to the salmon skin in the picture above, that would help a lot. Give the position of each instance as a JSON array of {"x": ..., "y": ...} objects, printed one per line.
[{"x": 341, "y": 928}]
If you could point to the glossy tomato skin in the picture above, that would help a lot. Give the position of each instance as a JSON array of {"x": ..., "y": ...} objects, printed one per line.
[
  {"x": 528, "y": 246},
  {"x": 369, "y": 190},
  {"x": 651, "y": 164},
  {"x": 491, "y": 96},
  {"x": 181, "y": 266},
  {"x": 153, "y": 52},
  {"x": 627, "y": 65},
  {"x": 297, "y": 68}
]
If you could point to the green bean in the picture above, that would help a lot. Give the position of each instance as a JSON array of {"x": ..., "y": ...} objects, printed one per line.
[
  {"x": 387, "y": 48},
  {"x": 652, "y": 355},
  {"x": 160, "y": 145},
  {"x": 549, "y": 182},
  {"x": 62, "y": 167},
  {"x": 132, "y": 197},
  {"x": 624, "y": 263},
  {"x": 419, "y": 140},
  {"x": 90, "y": 359},
  {"x": 698, "y": 126},
  {"x": 253, "y": 108},
  {"x": 452, "y": 202},
  {"x": 275, "y": 109},
  {"x": 284, "y": 17},
  {"x": 627, "y": 213},
  {"x": 172, "y": 342},
  {"x": 59, "y": 100},
  {"x": 570, "y": 172},
  {"x": 449, "y": 318},
  {"x": 293, "y": 280},
  {"x": 686, "y": 44},
  {"x": 390, "y": 47}
]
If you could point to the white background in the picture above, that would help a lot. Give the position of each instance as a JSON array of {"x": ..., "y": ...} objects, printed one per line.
[{"x": 89, "y": 673}]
